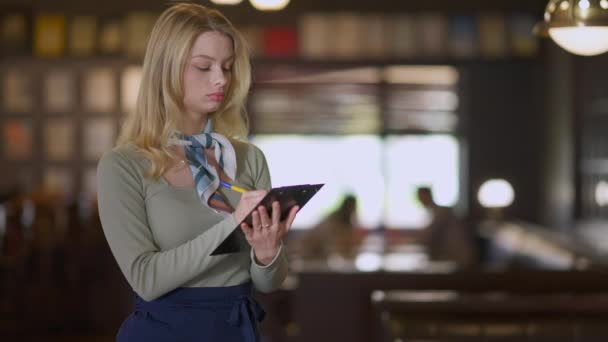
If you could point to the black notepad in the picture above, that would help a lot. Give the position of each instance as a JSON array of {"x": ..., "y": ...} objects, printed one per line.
[{"x": 287, "y": 196}]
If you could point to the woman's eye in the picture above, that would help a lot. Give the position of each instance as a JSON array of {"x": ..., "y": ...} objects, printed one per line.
[
  {"x": 227, "y": 69},
  {"x": 203, "y": 69}
]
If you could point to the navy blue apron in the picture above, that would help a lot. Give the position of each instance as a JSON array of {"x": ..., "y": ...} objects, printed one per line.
[{"x": 227, "y": 314}]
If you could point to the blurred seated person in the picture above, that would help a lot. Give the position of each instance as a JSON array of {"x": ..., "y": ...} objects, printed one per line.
[
  {"x": 445, "y": 237},
  {"x": 334, "y": 235}
]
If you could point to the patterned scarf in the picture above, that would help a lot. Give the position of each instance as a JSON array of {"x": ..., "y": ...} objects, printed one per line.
[{"x": 206, "y": 177}]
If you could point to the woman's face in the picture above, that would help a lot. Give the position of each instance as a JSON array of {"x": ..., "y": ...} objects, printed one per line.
[{"x": 207, "y": 73}]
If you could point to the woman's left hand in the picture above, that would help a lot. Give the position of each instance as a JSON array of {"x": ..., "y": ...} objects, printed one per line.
[{"x": 266, "y": 231}]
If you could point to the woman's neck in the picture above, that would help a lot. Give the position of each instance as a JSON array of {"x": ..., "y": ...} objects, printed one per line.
[{"x": 194, "y": 124}]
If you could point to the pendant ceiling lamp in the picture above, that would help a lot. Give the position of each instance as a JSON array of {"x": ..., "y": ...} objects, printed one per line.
[
  {"x": 269, "y": 5},
  {"x": 578, "y": 26},
  {"x": 227, "y": 2}
]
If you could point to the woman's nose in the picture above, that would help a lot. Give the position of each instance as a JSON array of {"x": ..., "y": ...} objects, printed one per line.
[{"x": 220, "y": 78}]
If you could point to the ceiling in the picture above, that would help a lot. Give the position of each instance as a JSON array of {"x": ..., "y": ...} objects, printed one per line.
[{"x": 296, "y": 6}]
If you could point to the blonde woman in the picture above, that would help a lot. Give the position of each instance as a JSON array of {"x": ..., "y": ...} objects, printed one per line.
[{"x": 161, "y": 202}]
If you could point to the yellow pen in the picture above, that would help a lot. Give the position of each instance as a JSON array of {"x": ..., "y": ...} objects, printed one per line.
[{"x": 232, "y": 187}]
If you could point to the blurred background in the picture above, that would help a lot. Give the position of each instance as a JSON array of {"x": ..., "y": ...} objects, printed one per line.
[{"x": 464, "y": 161}]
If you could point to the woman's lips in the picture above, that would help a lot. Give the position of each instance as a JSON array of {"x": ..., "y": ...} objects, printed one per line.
[{"x": 216, "y": 96}]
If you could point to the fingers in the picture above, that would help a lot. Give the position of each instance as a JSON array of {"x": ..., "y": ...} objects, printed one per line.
[
  {"x": 266, "y": 231},
  {"x": 265, "y": 220},
  {"x": 291, "y": 217},
  {"x": 256, "y": 222},
  {"x": 248, "y": 231},
  {"x": 261, "y": 222},
  {"x": 276, "y": 212}
]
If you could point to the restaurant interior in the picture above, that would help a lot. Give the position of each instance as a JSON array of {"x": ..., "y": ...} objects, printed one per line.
[{"x": 465, "y": 191}]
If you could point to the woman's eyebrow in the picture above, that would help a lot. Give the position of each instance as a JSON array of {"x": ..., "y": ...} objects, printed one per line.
[{"x": 211, "y": 58}]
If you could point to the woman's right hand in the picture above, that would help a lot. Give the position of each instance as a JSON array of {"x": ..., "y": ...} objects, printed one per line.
[{"x": 249, "y": 200}]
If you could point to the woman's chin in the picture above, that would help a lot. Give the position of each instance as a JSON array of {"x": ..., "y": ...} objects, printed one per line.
[{"x": 213, "y": 107}]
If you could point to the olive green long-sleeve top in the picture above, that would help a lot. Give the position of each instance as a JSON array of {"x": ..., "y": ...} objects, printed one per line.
[{"x": 162, "y": 236}]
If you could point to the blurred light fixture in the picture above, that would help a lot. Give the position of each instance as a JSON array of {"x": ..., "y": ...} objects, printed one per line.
[
  {"x": 422, "y": 74},
  {"x": 226, "y": 2},
  {"x": 269, "y": 5},
  {"x": 396, "y": 262},
  {"x": 368, "y": 262},
  {"x": 495, "y": 193},
  {"x": 601, "y": 193},
  {"x": 578, "y": 26}
]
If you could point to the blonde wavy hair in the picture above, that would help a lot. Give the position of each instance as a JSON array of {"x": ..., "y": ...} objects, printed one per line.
[{"x": 160, "y": 108}]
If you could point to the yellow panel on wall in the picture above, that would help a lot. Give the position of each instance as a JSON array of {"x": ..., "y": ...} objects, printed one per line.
[{"x": 49, "y": 35}]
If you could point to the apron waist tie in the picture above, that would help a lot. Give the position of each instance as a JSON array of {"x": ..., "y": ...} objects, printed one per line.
[{"x": 244, "y": 314}]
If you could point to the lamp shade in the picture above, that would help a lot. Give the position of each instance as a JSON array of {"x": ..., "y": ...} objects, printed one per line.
[
  {"x": 578, "y": 26},
  {"x": 226, "y": 2},
  {"x": 495, "y": 193},
  {"x": 585, "y": 41},
  {"x": 269, "y": 5}
]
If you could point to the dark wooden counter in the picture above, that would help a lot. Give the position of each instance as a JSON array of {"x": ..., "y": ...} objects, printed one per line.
[{"x": 336, "y": 306}]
